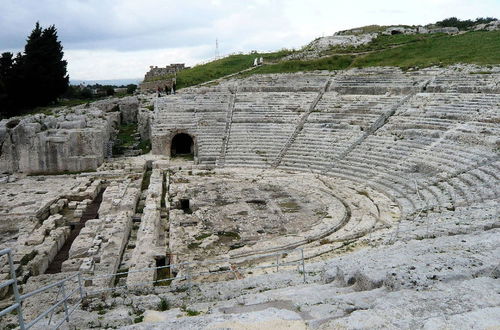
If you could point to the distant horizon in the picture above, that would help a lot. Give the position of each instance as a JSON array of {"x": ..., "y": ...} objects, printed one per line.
[
  {"x": 109, "y": 40},
  {"x": 114, "y": 82}
]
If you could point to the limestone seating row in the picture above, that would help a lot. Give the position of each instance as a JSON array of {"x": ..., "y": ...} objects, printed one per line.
[
  {"x": 256, "y": 142},
  {"x": 369, "y": 210},
  {"x": 376, "y": 84},
  {"x": 378, "y": 169},
  {"x": 442, "y": 157},
  {"x": 332, "y": 100},
  {"x": 480, "y": 215},
  {"x": 458, "y": 190},
  {"x": 148, "y": 243},
  {"x": 456, "y": 106},
  {"x": 470, "y": 83},
  {"x": 445, "y": 158},
  {"x": 115, "y": 217},
  {"x": 297, "y": 82},
  {"x": 260, "y": 127},
  {"x": 270, "y": 106},
  {"x": 330, "y": 139}
]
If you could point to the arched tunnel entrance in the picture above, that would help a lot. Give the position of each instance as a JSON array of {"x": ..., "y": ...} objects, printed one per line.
[{"x": 182, "y": 145}]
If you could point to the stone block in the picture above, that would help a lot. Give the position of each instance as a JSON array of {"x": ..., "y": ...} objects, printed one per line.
[
  {"x": 35, "y": 238},
  {"x": 71, "y": 265}
]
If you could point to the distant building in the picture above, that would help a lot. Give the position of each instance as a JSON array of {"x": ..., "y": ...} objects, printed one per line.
[{"x": 160, "y": 77}]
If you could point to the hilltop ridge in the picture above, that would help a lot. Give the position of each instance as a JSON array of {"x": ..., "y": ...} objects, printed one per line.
[{"x": 403, "y": 46}]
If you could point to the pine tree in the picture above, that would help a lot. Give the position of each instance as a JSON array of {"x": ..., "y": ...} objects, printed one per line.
[
  {"x": 43, "y": 68},
  {"x": 6, "y": 75}
]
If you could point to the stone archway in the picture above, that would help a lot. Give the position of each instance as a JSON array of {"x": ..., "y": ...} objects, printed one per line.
[{"x": 182, "y": 145}]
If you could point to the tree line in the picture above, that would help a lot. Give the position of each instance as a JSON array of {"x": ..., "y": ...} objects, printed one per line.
[
  {"x": 36, "y": 77},
  {"x": 464, "y": 24}
]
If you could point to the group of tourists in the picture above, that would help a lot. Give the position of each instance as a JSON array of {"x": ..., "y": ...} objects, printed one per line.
[{"x": 168, "y": 89}]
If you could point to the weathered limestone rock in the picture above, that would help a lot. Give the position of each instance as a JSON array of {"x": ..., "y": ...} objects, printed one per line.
[
  {"x": 148, "y": 245},
  {"x": 387, "y": 180},
  {"x": 128, "y": 108},
  {"x": 144, "y": 117},
  {"x": 73, "y": 139}
]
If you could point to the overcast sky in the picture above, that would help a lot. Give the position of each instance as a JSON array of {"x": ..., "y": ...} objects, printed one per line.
[{"x": 116, "y": 39}]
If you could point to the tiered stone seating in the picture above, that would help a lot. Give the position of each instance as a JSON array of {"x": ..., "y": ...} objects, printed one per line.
[
  {"x": 428, "y": 155},
  {"x": 403, "y": 157},
  {"x": 293, "y": 82},
  {"x": 437, "y": 150},
  {"x": 203, "y": 115},
  {"x": 380, "y": 81},
  {"x": 473, "y": 216},
  {"x": 335, "y": 124},
  {"x": 261, "y": 125},
  {"x": 465, "y": 83}
]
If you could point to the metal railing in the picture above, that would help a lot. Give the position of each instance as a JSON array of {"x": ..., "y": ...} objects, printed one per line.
[
  {"x": 19, "y": 299},
  {"x": 12, "y": 281},
  {"x": 79, "y": 292},
  {"x": 187, "y": 274}
]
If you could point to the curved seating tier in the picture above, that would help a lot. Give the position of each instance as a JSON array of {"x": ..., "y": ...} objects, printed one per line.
[
  {"x": 437, "y": 151},
  {"x": 261, "y": 125}
]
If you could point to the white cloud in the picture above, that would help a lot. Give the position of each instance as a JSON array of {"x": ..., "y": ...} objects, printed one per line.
[
  {"x": 112, "y": 64},
  {"x": 106, "y": 39}
]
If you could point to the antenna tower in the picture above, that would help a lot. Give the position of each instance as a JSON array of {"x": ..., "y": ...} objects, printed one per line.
[{"x": 217, "y": 48}]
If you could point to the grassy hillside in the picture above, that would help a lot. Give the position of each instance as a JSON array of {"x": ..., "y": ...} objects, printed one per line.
[
  {"x": 403, "y": 51},
  {"x": 223, "y": 67},
  {"x": 472, "y": 47}
]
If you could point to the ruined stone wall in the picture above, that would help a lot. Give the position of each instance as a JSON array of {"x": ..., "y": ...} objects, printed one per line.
[
  {"x": 155, "y": 71},
  {"x": 160, "y": 77},
  {"x": 152, "y": 86},
  {"x": 71, "y": 139}
]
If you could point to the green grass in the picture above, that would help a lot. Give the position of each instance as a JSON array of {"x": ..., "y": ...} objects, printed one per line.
[
  {"x": 481, "y": 48},
  {"x": 61, "y": 103},
  {"x": 163, "y": 305},
  {"x": 289, "y": 207},
  {"x": 329, "y": 63},
  {"x": 146, "y": 180},
  {"x": 404, "y": 51},
  {"x": 145, "y": 146},
  {"x": 126, "y": 139},
  {"x": 191, "y": 312},
  {"x": 229, "y": 234},
  {"x": 193, "y": 245},
  {"x": 125, "y": 134},
  {"x": 203, "y": 236},
  {"x": 223, "y": 67}
]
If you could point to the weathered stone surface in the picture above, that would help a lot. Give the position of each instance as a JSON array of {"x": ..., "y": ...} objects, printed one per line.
[
  {"x": 73, "y": 139},
  {"x": 144, "y": 117},
  {"x": 386, "y": 179}
]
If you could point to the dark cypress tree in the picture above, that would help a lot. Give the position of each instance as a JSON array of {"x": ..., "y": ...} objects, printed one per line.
[
  {"x": 43, "y": 68},
  {"x": 6, "y": 77}
]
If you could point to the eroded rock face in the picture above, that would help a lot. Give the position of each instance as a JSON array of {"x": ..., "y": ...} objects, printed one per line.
[
  {"x": 387, "y": 181},
  {"x": 72, "y": 139}
]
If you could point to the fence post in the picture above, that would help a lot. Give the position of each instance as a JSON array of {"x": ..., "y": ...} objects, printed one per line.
[
  {"x": 80, "y": 285},
  {"x": 303, "y": 265},
  {"x": 65, "y": 304},
  {"x": 17, "y": 297}
]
